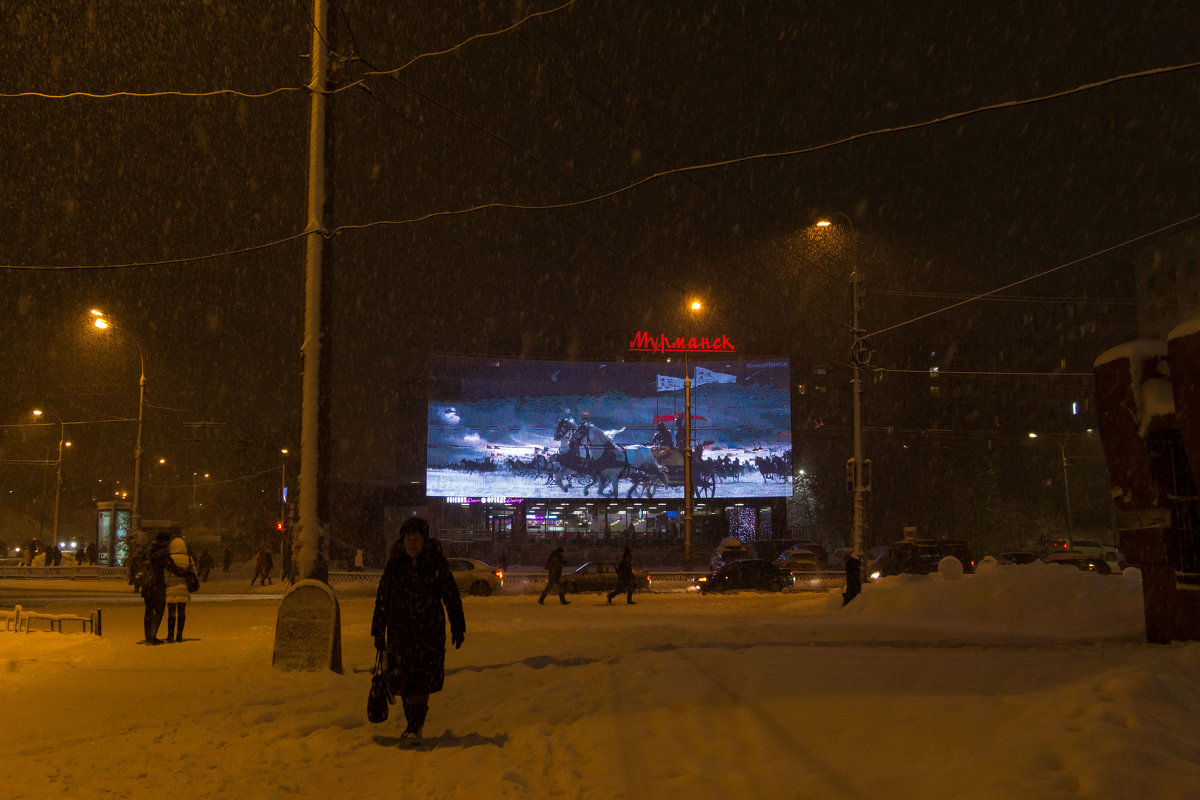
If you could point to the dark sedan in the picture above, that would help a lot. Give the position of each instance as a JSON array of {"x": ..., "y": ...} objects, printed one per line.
[{"x": 748, "y": 573}]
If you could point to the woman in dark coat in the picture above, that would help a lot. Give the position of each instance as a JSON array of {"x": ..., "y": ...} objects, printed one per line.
[{"x": 416, "y": 593}]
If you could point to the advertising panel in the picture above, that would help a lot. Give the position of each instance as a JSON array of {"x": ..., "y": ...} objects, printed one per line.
[{"x": 571, "y": 429}]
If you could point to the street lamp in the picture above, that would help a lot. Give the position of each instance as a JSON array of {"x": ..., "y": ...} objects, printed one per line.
[
  {"x": 37, "y": 412},
  {"x": 102, "y": 323},
  {"x": 1062, "y": 450},
  {"x": 694, "y": 306},
  {"x": 195, "y": 478},
  {"x": 859, "y": 356}
]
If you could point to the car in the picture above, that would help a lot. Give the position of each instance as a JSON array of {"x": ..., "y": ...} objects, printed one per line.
[
  {"x": 804, "y": 566},
  {"x": 1083, "y": 561},
  {"x": 1114, "y": 559},
  {"x": 730, "y": 550},
  {"x": 1018, "y": 557},
  {"x": 475, "y": 577},
  {"x": 837, "y": 561},
  {"x": 797, "y": 562},
  {"x": 600, "y": 576},
  {"x": 921, "y": 557},
  {"x": 746, "y": 573}
]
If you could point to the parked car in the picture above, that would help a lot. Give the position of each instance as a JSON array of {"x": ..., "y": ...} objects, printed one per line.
[
  {"x": 1018, "y": 557},
  {"x": 601, "y": 576},
  {"x": 475, "y": 577},
  {"x": 730, "y": 550},
  {"x": 921, "y": 557},
  {"x": 1083, "y": 561},
  {"x": 837, "y": 560},
  {"x": 816, "y": 548},
  {"x": 798, "y": 562},
  {"x": 1114, "y": 559},
  {"x": 747, "y": 573},
  {"x": 804, "y": 567}
]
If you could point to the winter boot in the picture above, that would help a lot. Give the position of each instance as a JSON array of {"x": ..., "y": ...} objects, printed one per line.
[{"x": 414, "y": 713}]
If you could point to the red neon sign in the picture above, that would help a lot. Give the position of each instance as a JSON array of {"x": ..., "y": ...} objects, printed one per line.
[{"x": 643, "y": 342}]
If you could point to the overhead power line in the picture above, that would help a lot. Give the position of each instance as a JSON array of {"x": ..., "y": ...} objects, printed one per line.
[
  {"x": 283, "y": 89},
  {"x": 626, "y": 186},
  {"x": 1187, "y": 220}
]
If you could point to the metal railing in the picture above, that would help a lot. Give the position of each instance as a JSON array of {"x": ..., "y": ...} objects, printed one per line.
[{"x": 75, "y": 573}]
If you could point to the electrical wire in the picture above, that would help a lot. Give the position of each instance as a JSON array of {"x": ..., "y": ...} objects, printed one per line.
[
  {"x": 451, "y": 49},
  {"x": 1185, "y": 221},
  {"x": 281, "y": 89},
  {"x": 165, "y": 261},
  {"x": 622, "y": 187}
]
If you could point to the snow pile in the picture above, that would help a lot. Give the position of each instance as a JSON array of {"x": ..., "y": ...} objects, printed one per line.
[{"x": 1037, "y": 600}]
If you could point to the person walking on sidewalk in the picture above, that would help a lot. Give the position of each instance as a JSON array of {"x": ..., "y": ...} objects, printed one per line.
[
  {"x": 416, "y": 594},
  {"x": 554, "y": 566},
  {"x": 624, "y": 577}
]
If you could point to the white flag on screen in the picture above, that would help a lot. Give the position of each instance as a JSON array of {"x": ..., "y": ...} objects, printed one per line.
[
  {"x": 669, "y": 384},
  {"x": 704, "y": 376}
]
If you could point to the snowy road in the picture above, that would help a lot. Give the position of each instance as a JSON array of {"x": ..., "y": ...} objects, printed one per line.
[{"x": 1032, "y": 682}]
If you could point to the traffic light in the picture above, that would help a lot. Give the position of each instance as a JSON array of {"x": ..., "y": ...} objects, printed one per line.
[
  {"x": 279, "y": 526},
  {"x": 850, "y": 475}
]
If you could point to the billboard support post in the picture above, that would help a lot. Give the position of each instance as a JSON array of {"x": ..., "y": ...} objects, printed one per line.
[{"x": 687, "y": 466}]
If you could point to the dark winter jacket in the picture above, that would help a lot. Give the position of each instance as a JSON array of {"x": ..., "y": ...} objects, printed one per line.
[
  {"x": 411, "y": 605},
  {"x": 159, "y": 564},
  {"x": 554, "y": 566}
]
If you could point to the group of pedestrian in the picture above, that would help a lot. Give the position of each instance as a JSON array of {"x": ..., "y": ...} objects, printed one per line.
[
  {"x": 160, "y": 573},
  {"x": 554, "y": 582},
  {"x": 263, "y": 564}
]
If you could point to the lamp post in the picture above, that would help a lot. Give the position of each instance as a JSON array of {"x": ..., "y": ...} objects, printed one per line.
[
  {"x": 695, "y": 306},
  {"x": 1062, "y": 451},
  {"x": 285, "y": 544},
  {"x": 102, "y": 323},
  {"x": 58, "y": 477},
  {"x": 859, "y": 356},
  {"x": 195, "y": 478}
]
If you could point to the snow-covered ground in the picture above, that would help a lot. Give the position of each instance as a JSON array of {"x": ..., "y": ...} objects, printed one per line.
[{"x": 1020, "y": 682}]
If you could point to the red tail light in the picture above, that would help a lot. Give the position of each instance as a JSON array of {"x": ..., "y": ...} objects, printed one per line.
[{"x": 499, "y": 573}]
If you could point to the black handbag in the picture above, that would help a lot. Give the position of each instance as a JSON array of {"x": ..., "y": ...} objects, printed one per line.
[
  {"x": 193, "y": 581},
  {"x": 380, "y": 695}
]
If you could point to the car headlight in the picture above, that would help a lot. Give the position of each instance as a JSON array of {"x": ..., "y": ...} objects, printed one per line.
[{"x": 876, "y": 576}]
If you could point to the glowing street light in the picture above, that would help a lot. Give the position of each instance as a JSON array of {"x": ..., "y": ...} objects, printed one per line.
[
  {"x": 859, "y": 356},
  {"x": 101, "y": 322},
  {"x": 37, "y": 412},
  {"x": 695, "y": 306}
]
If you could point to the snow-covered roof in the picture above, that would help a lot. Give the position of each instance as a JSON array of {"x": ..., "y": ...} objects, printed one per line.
[
  {"x": 1185, "y": 329},
  {"x": 1135, "y": 351}
]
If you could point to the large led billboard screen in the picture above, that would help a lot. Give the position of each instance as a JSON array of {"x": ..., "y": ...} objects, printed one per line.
[{"x": 511, "y": 428}]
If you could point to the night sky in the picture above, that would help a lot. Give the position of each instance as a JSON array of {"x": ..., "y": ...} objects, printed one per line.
[{"x": 561, "y": 110}]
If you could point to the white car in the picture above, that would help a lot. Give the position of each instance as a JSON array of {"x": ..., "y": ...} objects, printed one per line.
[{"x": 475, "y": 577}]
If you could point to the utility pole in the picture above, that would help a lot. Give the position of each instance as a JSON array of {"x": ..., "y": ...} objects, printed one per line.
[
  {"x": 310, "y": 520},
  {"x": 688, "y": 488},
  {"x": 856, "y": 353}
]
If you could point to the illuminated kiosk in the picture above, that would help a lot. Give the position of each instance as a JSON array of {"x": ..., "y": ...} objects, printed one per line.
[{"x": 113, "y": 520}]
